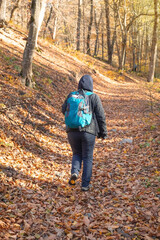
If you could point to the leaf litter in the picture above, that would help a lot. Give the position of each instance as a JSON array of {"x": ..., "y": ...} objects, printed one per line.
[{"x": 36, "y": 201}]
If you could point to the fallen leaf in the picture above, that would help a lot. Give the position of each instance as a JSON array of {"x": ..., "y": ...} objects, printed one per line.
[
  {"x": 2, "y": 224},
  {"x": 72, "y": 198},
  {"x": 70, "y": 235},
  {"x": 86, "y": 221}
]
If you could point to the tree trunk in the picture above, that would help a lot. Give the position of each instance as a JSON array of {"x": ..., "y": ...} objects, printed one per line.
[
  {"x": 118, "y": 52},
  {"x": 48, "y": 20},
  {"x": 110, "y": 42},
  {"x": 154, "y": 45},
  {"x": 84, "y": 29},
  {"x": 133, "y": 45},
  {"x": 108, "y": 31},
  {"x": 124, "y": 31},
  {"x": 79, "y": 25},
  {"x": 89, "y": 28},
  {"x": 102, "y": 30},
  {"x": 134, "y": 60},
  {"x": 124, "y": 37},
  {"x": 34, "y": 26},
  {"x": 123, "y": 54},
  {"x": 146, "y": 47},
  {"x": 41, "y": 16},
  {"x": 97, "y": 31},
  {"x": 56, "y": 20},
  {"x": 2, "y": 13},
  {"x": 55, "y": 28},
  {"x": 139, "y": 53},
  {"x": 102, "y": 46}
]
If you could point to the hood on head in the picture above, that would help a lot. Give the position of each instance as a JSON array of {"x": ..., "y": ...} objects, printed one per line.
[{"x": 86, "y": 83}]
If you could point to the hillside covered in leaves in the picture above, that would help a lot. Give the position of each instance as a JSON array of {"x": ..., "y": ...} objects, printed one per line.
[{"x": 36, "y": 201}]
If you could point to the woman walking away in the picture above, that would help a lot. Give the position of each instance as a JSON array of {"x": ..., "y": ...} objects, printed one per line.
[{"x": 85, "y": 119}]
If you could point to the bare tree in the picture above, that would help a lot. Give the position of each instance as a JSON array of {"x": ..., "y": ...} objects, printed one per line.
[
  {"x": 146, "y": 45},
  {"x": 89, "y": 28},
  {"x": 125, "y": 25},
  {"x": 56, "y": 19},
  {"x": 41, "y": 16},
  {"x": 124, "y": 31},
  {"x": 102, "y": 39},
  {"x": 154, "y": 44},
  {"x": 35, "y": 21},
  {"x": 110, "y": 39},
  {"x": 50, "y": 5},
  {"x": 84, "y": 29},
  {"x": 79, "y": 25},
  {"x": 97, "y": 24}
]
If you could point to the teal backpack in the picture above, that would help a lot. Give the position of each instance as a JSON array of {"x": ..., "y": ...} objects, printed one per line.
[{"x": 78, "y": 114}]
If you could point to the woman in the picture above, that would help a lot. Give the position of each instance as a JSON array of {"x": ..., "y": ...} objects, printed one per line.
[{"x": 82, "y": 140}]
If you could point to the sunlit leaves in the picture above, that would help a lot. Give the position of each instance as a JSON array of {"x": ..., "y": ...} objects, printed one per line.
[{"x": 35, "y": 158}]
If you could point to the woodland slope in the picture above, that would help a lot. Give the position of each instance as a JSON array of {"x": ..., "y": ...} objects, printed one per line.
[{"x": 36, "y": 201}]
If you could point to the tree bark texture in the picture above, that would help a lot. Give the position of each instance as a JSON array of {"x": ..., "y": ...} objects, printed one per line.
[
  {"x": 2, "y": 13},
  {"x": 48, "y": 20},
  {"x": 34, "y": 26},
  {"x": 55, "y": 20},
  {"x": 154, "y": 45},
  {"x": 84, "y": 29},
  {"x": 89, "y": 28},
  {"x": 41, "y": 16},
  {"x": 110, "y": 42},
  {"x": 79, "y": 25},
  {"x": 97, "y": 31}
]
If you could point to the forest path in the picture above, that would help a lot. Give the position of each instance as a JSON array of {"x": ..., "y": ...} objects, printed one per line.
[{"x": 35, "y": 160}]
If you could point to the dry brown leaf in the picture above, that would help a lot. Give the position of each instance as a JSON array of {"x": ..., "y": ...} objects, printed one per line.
[
  {"x": 86, "y": 221},
  {"x": 26, "y": 226},
  {"x": 51, "y": 237},
  {"x": 72, "y": 198},
  {"x": 148, "y": 238},
  {"x": 70, "y": 235},
  {"x": 2, "y": 224},
  {"x": 36, "y": 158}
]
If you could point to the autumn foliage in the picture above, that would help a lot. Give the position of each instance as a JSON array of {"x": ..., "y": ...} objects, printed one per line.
[{"x": 36, "y": 201}]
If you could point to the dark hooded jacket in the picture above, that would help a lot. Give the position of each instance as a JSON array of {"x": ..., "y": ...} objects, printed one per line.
[{"x": 98, "y": 123}]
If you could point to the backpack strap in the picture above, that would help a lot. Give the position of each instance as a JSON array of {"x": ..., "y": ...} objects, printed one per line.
[{"x": 82, "y": 92}]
